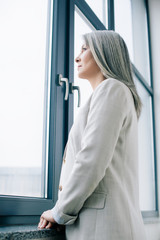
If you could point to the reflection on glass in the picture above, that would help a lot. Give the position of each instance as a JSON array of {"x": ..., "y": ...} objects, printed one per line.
[
  {"x": 100, "y": 8},
  {"x": 146, "y": 154},
  {"x": 23, "y": 93},
  {"x": 81, "y": 27}
]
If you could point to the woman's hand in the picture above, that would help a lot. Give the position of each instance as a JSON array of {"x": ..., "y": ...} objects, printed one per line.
[{"x": 46, "y": 220}]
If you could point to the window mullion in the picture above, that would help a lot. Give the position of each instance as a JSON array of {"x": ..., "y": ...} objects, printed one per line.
[{"x": 111, "y": 25}]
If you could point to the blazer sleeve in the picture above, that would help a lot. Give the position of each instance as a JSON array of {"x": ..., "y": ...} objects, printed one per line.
[{"x": 107, "y": 114}]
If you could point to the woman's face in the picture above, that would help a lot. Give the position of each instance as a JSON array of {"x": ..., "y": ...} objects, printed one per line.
[{"x": 87, "y": 67}]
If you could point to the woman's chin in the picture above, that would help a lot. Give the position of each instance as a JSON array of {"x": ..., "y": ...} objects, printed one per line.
[{"x": 81, "y": 75}]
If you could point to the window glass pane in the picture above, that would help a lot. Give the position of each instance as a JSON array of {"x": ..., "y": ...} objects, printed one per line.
[
  {"x": 23, "y": 94},
  {"x": 81, "y": 27},
  {"x": 132, "y": 26},
  {"x": 140, "y": 38},
  {"x": 146, "y": 154},
  {"x": 123, "y": 22},
  {"x": 100, "y": 8}
]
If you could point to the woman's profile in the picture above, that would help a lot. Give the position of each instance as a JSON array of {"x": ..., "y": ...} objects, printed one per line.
[{"x": 99, "y": 194}]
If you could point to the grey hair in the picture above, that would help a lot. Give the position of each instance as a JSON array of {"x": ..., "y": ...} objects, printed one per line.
[{"x": 111, "y": 55}]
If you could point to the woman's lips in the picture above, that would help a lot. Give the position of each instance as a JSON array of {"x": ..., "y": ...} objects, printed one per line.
[{"x": 79, "y": 66}]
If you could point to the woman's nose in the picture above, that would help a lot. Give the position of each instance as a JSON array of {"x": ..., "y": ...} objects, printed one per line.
[{"x": 77, "y": 59}]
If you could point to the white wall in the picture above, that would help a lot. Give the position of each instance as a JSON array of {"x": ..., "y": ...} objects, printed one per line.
[{"x": 153, "y": 229}]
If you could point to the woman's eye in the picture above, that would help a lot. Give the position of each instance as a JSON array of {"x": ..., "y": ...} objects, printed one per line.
[{"x": 83, "y": 49}]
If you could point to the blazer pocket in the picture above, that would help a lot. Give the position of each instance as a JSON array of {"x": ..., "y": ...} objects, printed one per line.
[{"x": 96, "y": 200}]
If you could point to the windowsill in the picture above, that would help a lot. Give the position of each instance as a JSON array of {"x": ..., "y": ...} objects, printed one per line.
[
  {"x": 31, "y": 231},
  {"x": 28, "y": 232},
  {"x": 151, "y": 220}
]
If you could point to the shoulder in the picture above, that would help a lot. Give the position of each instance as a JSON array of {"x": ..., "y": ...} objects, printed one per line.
[
  {"x": 113, "y": 94},
  {"x": 109, "y": 84},
  {"x": 110, "y": 88},
  {"x": 113, "y": 89}
]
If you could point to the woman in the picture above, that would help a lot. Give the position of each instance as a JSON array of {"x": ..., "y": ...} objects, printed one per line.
[{"x": 98, "y": 193}]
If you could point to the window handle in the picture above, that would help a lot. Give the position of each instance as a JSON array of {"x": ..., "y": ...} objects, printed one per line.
[
  {"x": 60, "y": 82},
  {"x": 73, "y": 88}
]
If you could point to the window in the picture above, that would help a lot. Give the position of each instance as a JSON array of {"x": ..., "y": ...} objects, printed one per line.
[
  {"x": 135, "y": 33},
  {"x": 32, "y": 107},
  {"x": 23, "y": 98},
  {"x": 123, "y": 22},
  {"x": 100, "y": 7},
  {"x": 84, "y": 85},
  {"x": 146, "y": 153}
]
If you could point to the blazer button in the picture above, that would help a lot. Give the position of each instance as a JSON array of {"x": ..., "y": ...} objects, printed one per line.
[
  {"x": 64, "y": 160},
  {"x": 60, "y": 188}
]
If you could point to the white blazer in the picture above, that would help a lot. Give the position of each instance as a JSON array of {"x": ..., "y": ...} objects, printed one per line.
[{"x": 98, "y": 193}]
